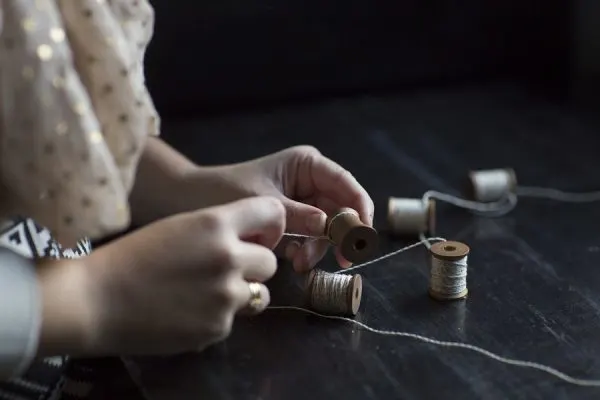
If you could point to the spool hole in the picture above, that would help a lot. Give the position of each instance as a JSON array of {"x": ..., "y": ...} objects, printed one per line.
[
  {"x": 356, "y": 293},
  {"x": 360, "y": 244},
  {"x": 450, "y": 248}
]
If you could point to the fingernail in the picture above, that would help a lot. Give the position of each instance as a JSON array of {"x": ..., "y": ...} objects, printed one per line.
[
  {"x": 345, "y": 264},
  {"x": 316, "y": 224},
  {"x": 291, "y": 250}
]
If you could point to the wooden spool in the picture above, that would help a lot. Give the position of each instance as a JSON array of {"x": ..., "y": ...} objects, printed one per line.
[
  {"x": 353, "y": 294},
  {"x": 357, "y": 242},
  {"x": 449, "y": 251},
  {"x": 475, "y": 191},
  {"x": 403, "y": 223}
]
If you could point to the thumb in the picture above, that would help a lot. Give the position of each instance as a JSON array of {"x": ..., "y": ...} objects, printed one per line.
[{"x": 304, "y": 219}]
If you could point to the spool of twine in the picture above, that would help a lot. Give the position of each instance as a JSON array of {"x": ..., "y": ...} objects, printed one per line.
[
  {"x": 448, "y": 272},
  {"x": 334, "y": 294}
]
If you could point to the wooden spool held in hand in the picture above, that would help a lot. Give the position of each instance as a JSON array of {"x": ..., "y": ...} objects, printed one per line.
[{"x": 357, "y": 241}]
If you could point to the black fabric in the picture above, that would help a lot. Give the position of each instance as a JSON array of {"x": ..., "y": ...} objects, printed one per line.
[{"x": 215, "y": 55}]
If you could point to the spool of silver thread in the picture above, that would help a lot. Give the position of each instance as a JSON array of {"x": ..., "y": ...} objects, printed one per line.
[
  {"x": 448, "y": 271},
  {"x": 334, "y": 294}
]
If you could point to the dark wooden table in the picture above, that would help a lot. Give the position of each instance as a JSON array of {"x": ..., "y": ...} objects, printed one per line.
[{"x": 534, "y": 275}]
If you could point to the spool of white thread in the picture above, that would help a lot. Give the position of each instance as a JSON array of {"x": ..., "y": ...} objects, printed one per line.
[
  {"x": 492, "y": 185},
  {"x": 411, "y": 216},
  {"x": 448, "y": 273}
]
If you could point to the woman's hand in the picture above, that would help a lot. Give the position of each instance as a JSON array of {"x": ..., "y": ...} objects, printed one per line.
[
  {"x": 308, "y": 184},
  {"x": 173, "y": 286}
]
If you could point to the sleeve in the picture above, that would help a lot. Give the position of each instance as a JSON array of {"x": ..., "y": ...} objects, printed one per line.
[
  {"x": 75, "y": 112},
  {"x": 20, "y": 313}
]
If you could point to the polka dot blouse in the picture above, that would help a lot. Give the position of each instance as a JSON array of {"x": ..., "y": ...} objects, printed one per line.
[{"x": 74, "y": 111}]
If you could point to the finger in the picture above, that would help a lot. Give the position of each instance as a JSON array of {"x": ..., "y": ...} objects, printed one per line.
[
  {"x": 310, "y": 254},
  {"x": 251, "y": 307},
  {"x": 292, "y": 249},
  {"x": 330, "y": 208},
  {"x": 303, "y": 218},
  {"x": 258, "y": 263},
  {"x": 340, "y": 259},
  {"x": 257, "y": 219},
  {"x": 287, "y": 248},
  {"x": 341, "y": 186},
  {"x": 281, "y": 248}
]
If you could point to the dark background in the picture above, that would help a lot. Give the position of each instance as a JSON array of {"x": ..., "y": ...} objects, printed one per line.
[
  {"x": 408, "y": 95},
  {"x": 215, "y": 56}
]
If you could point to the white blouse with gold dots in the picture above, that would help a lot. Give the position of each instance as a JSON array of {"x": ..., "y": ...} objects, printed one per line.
[{"x": 74, "y": 111}]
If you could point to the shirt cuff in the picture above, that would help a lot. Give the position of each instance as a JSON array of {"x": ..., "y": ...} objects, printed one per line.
[{"x": 20, "y": 313}]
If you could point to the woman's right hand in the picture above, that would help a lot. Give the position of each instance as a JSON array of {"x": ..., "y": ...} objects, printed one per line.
[{"x": 175, "y": 285}]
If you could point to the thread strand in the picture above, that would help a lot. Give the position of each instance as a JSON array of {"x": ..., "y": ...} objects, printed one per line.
[
  {"x": 558, "y": 195},
  {"x": 392, "y": 254},
  {"x": 493, "y": 209},
  {"x": 505, "y": 360},
  {"x": 509, "y": 202},
  {"x": 310, "y": 238}
]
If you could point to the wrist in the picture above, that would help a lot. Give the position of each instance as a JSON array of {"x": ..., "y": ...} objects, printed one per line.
[
  {"x": 69, "y": 317},
  {"x": 207, "y": 187},
  {"x": 200, "y": 187},
  {"x": 158, "y": 183}
]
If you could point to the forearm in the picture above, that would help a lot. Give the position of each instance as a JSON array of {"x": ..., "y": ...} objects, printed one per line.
[
  {"x": 167, "y": 183},
  {"x": 159, "y": 179},
  {"x": 45, "y": 310},
  {"x": 70, "y": 318}
]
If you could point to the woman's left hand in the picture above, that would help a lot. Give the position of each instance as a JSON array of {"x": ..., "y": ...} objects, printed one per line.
[{"x": 310, "y": 185}]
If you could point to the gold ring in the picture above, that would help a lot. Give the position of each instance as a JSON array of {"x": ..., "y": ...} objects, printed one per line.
[{"x": 255, "y": 296}]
